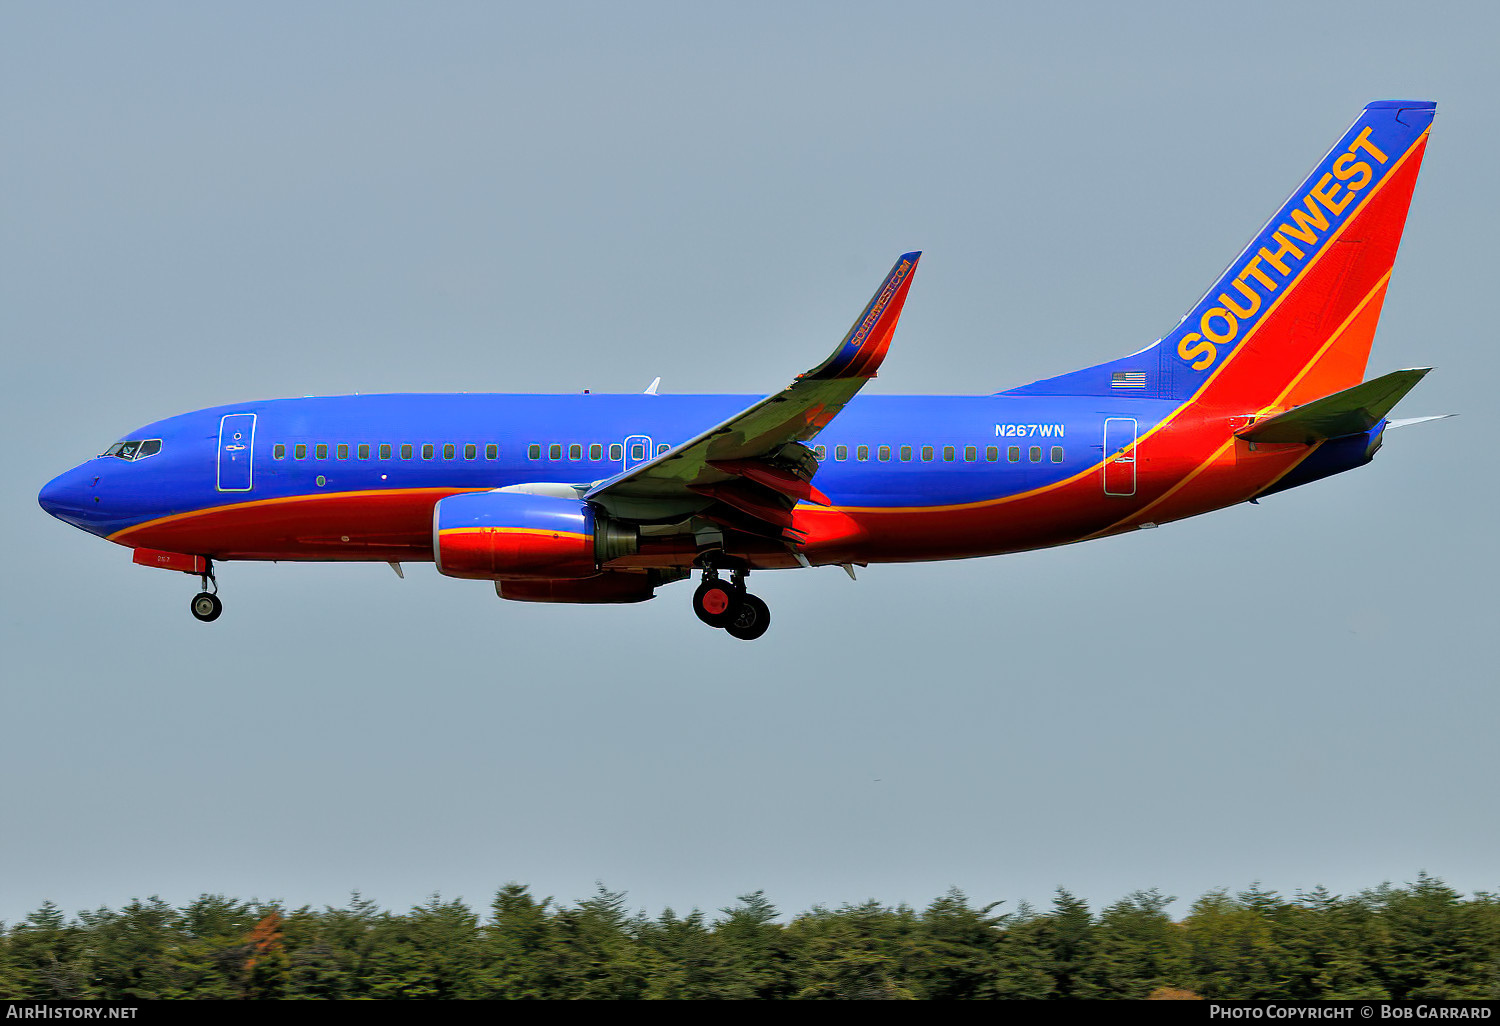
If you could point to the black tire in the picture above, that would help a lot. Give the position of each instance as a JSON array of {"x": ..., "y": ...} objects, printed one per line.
[
  {"x": 715, "y": 603},
  {"x": 751, "y": 620},
  {"x": 206, "y": 606}
]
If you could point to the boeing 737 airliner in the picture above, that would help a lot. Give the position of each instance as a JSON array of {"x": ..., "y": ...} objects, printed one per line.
[{"x": 605, "y": 498}]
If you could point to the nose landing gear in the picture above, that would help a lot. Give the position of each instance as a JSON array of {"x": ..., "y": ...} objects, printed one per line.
[
  {"x": 730, "y": 606},
  {"x": 206, "y": 605}
]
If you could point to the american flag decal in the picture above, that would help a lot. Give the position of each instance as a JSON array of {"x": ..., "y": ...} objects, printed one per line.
[{"x": 1127, "y": 379}]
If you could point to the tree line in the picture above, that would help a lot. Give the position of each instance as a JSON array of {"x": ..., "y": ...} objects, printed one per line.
[{"x": 1423, "y": 940}]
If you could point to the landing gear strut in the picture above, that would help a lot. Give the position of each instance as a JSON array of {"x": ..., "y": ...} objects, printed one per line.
[
  {"x": 206, "y": 605},
  {"x": 730, "y": 606}
]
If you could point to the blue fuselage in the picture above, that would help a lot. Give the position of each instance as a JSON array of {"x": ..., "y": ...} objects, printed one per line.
[{"x": 896, "y": 451}]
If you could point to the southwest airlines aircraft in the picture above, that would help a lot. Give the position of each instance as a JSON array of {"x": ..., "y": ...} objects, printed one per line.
[{"x": 605, "y": 498}]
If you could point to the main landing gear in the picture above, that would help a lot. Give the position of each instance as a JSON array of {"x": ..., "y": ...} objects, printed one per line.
[
  {"x": 206, "y": 605},
  {"x": 730, "y": 606}
]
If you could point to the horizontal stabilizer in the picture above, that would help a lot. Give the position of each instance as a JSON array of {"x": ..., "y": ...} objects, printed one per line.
[{"x": 1348, "y": 412}]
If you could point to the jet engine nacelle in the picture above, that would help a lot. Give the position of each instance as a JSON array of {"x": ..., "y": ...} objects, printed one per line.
[{"x": 516, "y": 536}]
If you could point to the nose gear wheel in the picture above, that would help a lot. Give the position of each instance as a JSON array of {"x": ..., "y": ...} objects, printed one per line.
[{"x": 206, "y": 606}]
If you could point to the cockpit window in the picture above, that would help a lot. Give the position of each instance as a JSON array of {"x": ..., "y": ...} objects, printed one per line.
[{"x": 134, "y": 448}]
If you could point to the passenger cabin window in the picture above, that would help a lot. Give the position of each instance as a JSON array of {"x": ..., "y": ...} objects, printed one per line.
[
  {"x": 992, "y": 453},
  {"x": 278, "y": 451},
  {"x": 300, "y": 451},
  {"x": 840, "y": 453},
  {"x": 1057, "y": 454},
  {"x": 321, "y": 451},
  {"x": 862, "y": 453},
  {"x": 948, "y": 453},
  {"x": 471, "y": 451},
  {"x": 492, "y": 451},
  {"x": 821, "y": 452},
  {"x": 637, "y": 451},
  {"x": 1013, "y": 454},
  {"x": 575, "y": 451},
  {"x": 533, "y": 452},
  {"x": 427, "y": 450},
  {"x": 596, "y": 452},
  {"x": 554, "y": 451},
  {"x": 1035, "y": 454},
  {"x": 406, "y": 450},
  {"x": 884, "y": 453},
  {"x": 343, "y": 450},
  {"x": 364, "y": 450},
  {"x": 616, "y": 453},
  {"x": 661, "y": 450},
  {"x": 905, "y": 453},
  {"x": 926, "y": 452},
  {"x": 971, "y": 453},
  {"x": 385, "y": 450}
]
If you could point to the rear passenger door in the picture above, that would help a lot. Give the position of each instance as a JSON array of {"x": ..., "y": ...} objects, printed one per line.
[{"x": 1119, "y": 456}]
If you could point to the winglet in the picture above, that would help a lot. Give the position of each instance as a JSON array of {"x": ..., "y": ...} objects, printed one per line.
[{"x": 860, "y": 353}]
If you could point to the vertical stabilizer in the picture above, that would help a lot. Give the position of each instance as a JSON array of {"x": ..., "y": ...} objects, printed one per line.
[{"x": 1293, "y": 316}]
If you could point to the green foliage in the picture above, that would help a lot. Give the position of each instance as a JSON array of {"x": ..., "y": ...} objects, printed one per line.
[
  {"x": 597, "y": 950},
  {"x": 688, "y": 960},
  {"x": 757, "y": 948},
  {"x": 1434, "y": 942},
  {"x": 46, "y": 958},
  {"x": 860, "y": 952},
  {"x": 1423, "y": 940},
  {"x": 518, "y": 946},
  {"x": 1139, "y": 949},
  {"x": 957, "y": 950},
  {"x": 1233, "y": 953}
]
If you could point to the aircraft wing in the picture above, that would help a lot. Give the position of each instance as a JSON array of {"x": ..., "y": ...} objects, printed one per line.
[{"x": 749, "y": 471}]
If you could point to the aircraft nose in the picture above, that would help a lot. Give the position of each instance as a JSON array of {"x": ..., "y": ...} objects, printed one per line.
[
  {"x": 55, "y": 494},
  {"x": 68, "y": 496}
]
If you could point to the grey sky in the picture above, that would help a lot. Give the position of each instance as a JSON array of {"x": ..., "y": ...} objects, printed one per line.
[{"x": 206, "y": 204}]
